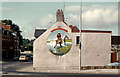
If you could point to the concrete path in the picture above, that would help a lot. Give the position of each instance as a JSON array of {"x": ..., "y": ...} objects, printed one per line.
[
  {"x": 26, "y": 68},
  {"x": 96, "y": 71}
]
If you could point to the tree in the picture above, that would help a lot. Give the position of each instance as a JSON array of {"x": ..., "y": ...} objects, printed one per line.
[
  {"x": 8, "y": 22},
  {"x": 15, "y": 29}
]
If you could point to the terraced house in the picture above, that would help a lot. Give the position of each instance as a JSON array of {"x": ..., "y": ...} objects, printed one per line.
[
  {"x": 10, "y": 43},
  {"x": 52, "y": 52}
]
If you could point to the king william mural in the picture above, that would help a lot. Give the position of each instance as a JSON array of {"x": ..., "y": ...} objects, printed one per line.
[{"x": 59, "y": 42}]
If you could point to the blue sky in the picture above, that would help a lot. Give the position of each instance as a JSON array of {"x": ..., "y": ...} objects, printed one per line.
[{"x": 32, "y": 15}]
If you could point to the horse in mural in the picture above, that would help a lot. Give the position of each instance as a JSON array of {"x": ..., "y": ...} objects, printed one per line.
[
  {"x": 55, "y": 43},
  {"x": 59, "y": 41},
  {"x": 59, "y": 44}
]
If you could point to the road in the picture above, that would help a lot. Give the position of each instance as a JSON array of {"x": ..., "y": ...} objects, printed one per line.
[
  {"x": 26, "y": 68},
  {"x": 9, "y": 67}
]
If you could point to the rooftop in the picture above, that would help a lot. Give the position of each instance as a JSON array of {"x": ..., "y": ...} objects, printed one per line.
[
  {"x": 39, "y": 32},
  {"x": 115, "y": 40}
]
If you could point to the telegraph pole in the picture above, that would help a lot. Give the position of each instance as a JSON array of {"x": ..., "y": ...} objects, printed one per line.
[{"x": 80, "y": 38}]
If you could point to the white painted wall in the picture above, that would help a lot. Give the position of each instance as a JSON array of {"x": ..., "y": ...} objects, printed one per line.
[
  {"x": 43, "y": 58},
  {"x": 96, "y": 49}
]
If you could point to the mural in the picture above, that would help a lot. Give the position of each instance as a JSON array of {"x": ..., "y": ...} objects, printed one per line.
[{"x": 59, "y": 42}]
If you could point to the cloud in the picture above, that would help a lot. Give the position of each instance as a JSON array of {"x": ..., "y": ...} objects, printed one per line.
[
  {"x": 28, "y": 32},
  {"x": 72, "y": 19},
  {"x": 101, "y": 17},
  {"x": 76, "y": 8},
  {"x": 73, "y": 9},
  {"x": 93, "y": 17},
  {"x": 45, "y": 22}
]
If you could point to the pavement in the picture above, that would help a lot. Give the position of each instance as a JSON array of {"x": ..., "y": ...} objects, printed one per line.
[
  {"x": 95, "y": 71},
  {"x": 29, "y": 70},
  {"x": 26, "y": 68}
]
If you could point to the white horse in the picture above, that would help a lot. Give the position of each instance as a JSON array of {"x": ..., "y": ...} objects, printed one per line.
[{"x": 53, "y": 43}]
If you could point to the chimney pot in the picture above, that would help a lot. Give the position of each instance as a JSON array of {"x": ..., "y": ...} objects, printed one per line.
[{"x": 60, "y": 16}]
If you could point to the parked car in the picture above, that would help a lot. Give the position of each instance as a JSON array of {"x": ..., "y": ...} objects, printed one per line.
[
  {"x": 30, "y": 56},
  {"x": 16, "y": 58},
  {"x": 23, "y": 58},
  {"x": 114, "y": 64}
]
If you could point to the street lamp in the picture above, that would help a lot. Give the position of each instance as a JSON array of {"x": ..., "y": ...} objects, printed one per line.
[{"x": 80, "y": 38}]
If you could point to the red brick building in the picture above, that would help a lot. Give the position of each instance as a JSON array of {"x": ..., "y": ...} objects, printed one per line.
[
  {"x": 115, "y": 49},
  {"x": 8, "y": 27},
  {"x": 10, "y": 43}
]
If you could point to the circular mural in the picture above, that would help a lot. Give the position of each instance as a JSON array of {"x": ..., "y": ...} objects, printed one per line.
[{"x": 59, "y": 42}]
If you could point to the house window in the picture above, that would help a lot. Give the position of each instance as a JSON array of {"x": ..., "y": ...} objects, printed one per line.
[
  {"x": 118, "y": 47},
  {"x": 77, "y": 39},
  {"x": 112, "y": 46}
]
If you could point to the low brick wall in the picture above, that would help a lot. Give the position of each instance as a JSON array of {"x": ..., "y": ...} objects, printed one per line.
[{"x": 99, "y": 67}]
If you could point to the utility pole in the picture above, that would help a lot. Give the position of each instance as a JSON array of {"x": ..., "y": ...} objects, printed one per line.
[
  {"x": 64, "y": 7},
  {"x": 80, "y": 38}
]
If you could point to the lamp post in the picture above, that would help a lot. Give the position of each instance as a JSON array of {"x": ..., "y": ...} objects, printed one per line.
[{"x": 80, "y": 38}]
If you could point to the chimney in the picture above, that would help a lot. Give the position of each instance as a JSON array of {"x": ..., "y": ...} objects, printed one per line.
[{"x": 59, "y": 16}]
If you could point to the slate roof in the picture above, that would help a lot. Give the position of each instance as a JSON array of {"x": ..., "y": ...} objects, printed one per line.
[
  {"x": 74, "y": 28},
  {"x": 115, "y": 40},
  {"x": 39, "y": 32}
]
